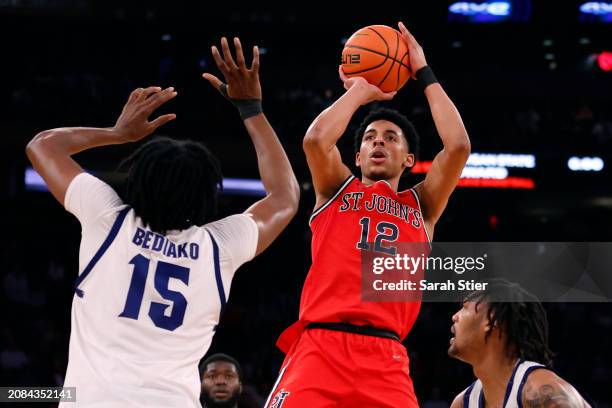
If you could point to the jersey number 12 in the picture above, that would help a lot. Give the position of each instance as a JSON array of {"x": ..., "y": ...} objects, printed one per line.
[{"x": 386, "y": 231}]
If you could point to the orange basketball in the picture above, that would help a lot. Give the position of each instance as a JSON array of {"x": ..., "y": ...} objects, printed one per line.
[{"x": 379, "y": 54}]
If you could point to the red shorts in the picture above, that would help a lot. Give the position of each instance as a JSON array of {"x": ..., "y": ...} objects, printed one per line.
[{"x": 328, "y": 368}]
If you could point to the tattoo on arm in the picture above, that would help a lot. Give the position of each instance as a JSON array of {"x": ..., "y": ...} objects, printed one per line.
[{"x": 550, "y": 396}]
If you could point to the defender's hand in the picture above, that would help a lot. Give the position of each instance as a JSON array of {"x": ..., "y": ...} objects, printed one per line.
[
  {"x": 242, "y": 82},
  {"x": 133, "y": 123},
  {"x": 415, "y": 51},
  {"x": 369, "y": 92}
]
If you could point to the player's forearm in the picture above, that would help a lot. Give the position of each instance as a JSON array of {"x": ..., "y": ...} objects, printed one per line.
[
  {"x": 329, "y": 126},
  {"x": 71, "y": 140},
  {"x": 448, "y": 121},
  {"x": 274, "y": 167}
]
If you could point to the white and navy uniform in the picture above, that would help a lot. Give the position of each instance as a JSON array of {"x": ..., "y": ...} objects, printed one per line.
[
  {"x": 146, "y": 305},
  {"x": 473, "y": 396}
]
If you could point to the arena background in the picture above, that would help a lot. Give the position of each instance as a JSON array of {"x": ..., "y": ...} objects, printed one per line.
[{"x": 531, "y": 84}]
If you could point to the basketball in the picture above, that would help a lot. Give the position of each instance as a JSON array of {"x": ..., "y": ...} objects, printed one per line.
[{"x": 379, "y": 54}]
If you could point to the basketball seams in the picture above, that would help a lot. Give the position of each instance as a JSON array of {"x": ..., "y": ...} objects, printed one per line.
[
  {"x": 377, "y": 53},
  {"x": 399, "y": 73},
  {"x": 358, "y": 47},
  {"x": 368, "y": 69},
  {"x": 382, "y": 38},
  {"x": 377, "y": 72},
  {"x": 393, "y": 63}
]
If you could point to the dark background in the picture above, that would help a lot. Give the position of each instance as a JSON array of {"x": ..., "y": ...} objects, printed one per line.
[{"x": 73, "y": 62}]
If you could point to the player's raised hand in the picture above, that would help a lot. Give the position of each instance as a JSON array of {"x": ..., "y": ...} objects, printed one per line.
[
  {"x": 415, "y": 51},
  {"x": 241, "y": 82},
  {"x": 133, "y": 124},
  {"x": 370, "y": 93}
]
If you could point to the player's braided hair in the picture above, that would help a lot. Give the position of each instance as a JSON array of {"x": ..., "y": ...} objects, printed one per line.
[
  {"x": 519, "y": 316},
  {"x": 410, "y": 133},
  {"x": 172, "y": 184}
]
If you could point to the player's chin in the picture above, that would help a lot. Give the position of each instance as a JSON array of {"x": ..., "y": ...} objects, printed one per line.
[
  {"x": 219, "y": 399},
  {"x": 378, "y": 173},
  {"x": 453, "y": 352},
  {"x": 457, "y": 353}
]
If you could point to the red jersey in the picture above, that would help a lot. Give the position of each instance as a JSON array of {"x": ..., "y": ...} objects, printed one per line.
[{"x": 356, "y": 215}]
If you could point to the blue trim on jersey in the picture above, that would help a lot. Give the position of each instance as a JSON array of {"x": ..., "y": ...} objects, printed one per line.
[
  {"x": 511, "y": 382},
  {"x": 466, "y": 396},
  {"x": 481, "y": 401},
  {"x": 107, "y": 242},
  {"x": 519, "y": 394},
  {"x": 218, "y": 272}
]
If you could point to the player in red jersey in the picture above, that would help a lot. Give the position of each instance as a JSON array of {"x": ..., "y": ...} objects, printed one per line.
[{"x": 343, "y": 352}]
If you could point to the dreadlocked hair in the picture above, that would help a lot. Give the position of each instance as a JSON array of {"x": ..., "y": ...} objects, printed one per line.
[
  {"x": 520, "y": 316},
  {"x": 172, "y": 184}
]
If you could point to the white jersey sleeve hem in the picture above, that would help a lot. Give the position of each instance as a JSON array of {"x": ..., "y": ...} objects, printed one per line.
[
  {"x": 88, "y": 197},
  {"x": 237, "y": 237}
]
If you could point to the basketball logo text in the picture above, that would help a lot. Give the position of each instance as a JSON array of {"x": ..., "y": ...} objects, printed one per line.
[{"x": 351, "y": 58}]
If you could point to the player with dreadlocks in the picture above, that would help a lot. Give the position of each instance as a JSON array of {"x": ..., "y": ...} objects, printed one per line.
[
  {"x": 502, "y": 332},
  {"x": 154, "y": 276},
  {"x": 185, "y": 172}
]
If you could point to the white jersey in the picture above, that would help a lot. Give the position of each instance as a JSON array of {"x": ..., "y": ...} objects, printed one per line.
[
  {"x": 146, "y": 305},
  {"x": 473, "y": 396}
]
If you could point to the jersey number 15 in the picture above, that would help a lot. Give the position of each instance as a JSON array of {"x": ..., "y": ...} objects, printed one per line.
[{"x": 163, "y": 273}]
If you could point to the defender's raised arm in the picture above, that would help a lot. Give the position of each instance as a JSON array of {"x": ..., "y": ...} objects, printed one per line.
[{"x": 272, "y": 213}]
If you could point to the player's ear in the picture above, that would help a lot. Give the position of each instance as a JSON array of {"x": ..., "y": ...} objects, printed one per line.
[
  {"x": 409, "y": 160},
  {"x": 489, "y": 324},
  {"x": 357, "y": 159}
]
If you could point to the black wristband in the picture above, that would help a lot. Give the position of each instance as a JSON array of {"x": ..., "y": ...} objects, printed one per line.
[
  {"x": 425, "y": 77},
  {"x": 246, "y": 107}
]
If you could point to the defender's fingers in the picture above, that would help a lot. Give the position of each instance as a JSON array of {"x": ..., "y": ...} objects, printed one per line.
[
  {"x": 162, "y": 120},
  {"x": 239, "y": 53},
  {"x": 149, "y": 91},
  {"x": 227, "y": 54},
  {"x": 135, "y": 95},
  {"x": 160, "y": 98},
  {"x": 213, "y": 80},
  {"x": 255, "y": 63},
  {"x": 219, "y": 61}
]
